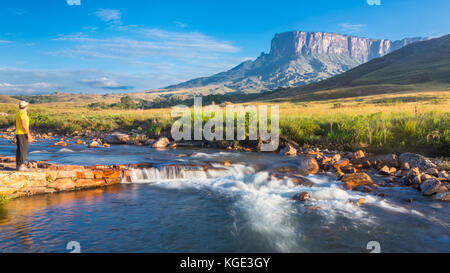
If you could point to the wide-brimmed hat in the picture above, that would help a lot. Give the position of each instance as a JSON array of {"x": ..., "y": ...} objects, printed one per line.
[{"x": 23, "y": 104}]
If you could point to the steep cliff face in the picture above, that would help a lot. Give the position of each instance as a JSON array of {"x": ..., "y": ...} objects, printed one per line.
[{"x": 298, "y": 58}]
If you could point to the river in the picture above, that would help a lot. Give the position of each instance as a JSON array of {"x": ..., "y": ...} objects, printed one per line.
[{"x": 234, "y": 208}]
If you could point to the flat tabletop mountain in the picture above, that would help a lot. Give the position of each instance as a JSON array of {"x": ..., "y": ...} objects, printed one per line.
[
  {"x": 419, "y": 66},
  {"x": 297, "y": 58}
]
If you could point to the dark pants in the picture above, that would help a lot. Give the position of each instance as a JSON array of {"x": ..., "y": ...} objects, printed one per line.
[{"x": 22, "y": 149}]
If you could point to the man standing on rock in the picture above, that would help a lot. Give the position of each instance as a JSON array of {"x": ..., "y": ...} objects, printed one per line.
[{"x": 23, "y": 136}]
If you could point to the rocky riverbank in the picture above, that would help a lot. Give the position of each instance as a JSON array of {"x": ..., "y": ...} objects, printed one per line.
[
  {"x": 357, "y": 170},
  {"x": 42, "y": 177}
]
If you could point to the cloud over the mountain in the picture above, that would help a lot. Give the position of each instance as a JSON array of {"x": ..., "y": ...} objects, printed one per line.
[
  {"x": 73, "y": 2},
  {"x": 105, "y": 83},
  {"x": 351, "y": 28}
]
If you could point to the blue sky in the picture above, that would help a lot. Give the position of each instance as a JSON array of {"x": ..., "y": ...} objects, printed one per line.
[{"x": 106, "y": 46}]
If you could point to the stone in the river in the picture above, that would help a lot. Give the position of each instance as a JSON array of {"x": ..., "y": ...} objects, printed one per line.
[
  {"x": 336, "y": 157},
  {"x": 390, "y": 160},
  {"x": 117, "y": 138},
  {"x": 160, "y": 143},
  {"x": 173, "y": 145},
  {"x": 432, "y": 171},
  {"x": 444, "y": 174},
  {"x": 301, "y": 196},
  {"x": 341, "y": 163},
  {"x": 289, "y": 150},
  {"x": 417, "y": 180},
  {"x": 360, "y": 201},
  {"x": 353, "y": 180},
  {"x": 416, "y": 160},
  {"x": 314, "y": 207},
  {"x": 443, "y": 196},
  {"x": 385, "y": 170},
  {"x": 363, "y": 188},
  {"x": 301, "y": 181},
  {"x": 93, "y": 144},
  {"x": 62, "y": 184},
  {"x": 430, "y": 186},
  {"x": 405, "y": 166},
  {"x": 358, "y": 154},
  {"x": 308, "y": 165},
  {"x": 79, "y": 141}
]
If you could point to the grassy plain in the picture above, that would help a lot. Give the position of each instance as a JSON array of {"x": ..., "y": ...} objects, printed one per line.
[{"x": 399, "y": 122}]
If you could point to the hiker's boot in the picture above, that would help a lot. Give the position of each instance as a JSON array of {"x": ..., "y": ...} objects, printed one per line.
[{"x": 22, "y": 168}]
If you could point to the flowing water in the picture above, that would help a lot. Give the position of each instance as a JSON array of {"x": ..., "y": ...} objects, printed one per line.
[{"x": 181, "y": 206}]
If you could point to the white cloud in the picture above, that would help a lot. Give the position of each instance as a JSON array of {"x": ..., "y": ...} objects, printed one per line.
[
  {"x": 73, "y": 2},
  {"x": 9, "y": 88},
  {"x": 5, "y": 42},
  {"x": 351, "y": 28},
  {"x": 152, "y": 43},
  {"x": 374, "y": 2},
  {"x": 181, "y": 24},
  {"x": 105, "y": 83},
  {"x": 109, "y": 15}
]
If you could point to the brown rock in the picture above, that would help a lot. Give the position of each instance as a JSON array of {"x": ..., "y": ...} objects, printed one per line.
[
  {"x": 405, "y": 166},
  {"x": 358, "y": 154},
  {"x": 87, "y": 183},
  {"x": 314, "y": 207},
  {"x": 363, "y": 188},
  {"x": 432, "y": 171},
  {"x": 336, "y": 157},
  {"x": 93, "y": 144},
  {"x": 430, "y": 187},
  {"x": 442, "y": 196},
  {"x": 289, "y": 150},
  {"x": 161, "y": 143},
  {"x": 444, "y": 175},
  {"x": 301, "y": 196},
  {"x": 416, "y": 160},
  {"x": 417, "y": 180},
  {"x": 353, "y": 180},
  {"x": 62, "y": 184},
  {"x": 341, "y": 163},
  {"x": 117, "y": 138},
  {"x": 308, "y": 165},
  {"x": 385, "y": 171},
  {"x": 360, "y": 201}
]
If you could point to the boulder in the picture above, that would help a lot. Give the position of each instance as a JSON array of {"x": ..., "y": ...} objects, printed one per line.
[
  {"x": 360, "y": 201},
  {"x": 443, "y": 196},
  {"x": 405, "y": 166},
  {"x": 336, "y": 157},
  {"x": 358, "y": 154},
  {"x": 416, "y": 161},
  {"x": 391, "y": 160},
  {"x": 308, "y": 165},
  {"x": 363, "y": 188},
  {"x": 117, "y": 138},
  {"x": 432, "y": 171},
  {"x": 289, "y": 150},
  {"x": 430, "y": 187},
  {"x": 385, "y": 170},
  {"x": 301, "y": 196},
  {"x": 444, "y": 175},
  {"x": 93, "y": 144},
  {"x": 161, "y": 143},
  {"x": 353, "y": 180},
  {"x": 301, "y": 181}
]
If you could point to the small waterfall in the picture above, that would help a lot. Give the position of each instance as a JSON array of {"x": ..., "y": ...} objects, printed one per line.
[{"x": 178, "y": 172}]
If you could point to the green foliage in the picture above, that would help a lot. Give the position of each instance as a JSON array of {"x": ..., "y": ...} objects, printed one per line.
[{"x": 38, "y": 99}]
